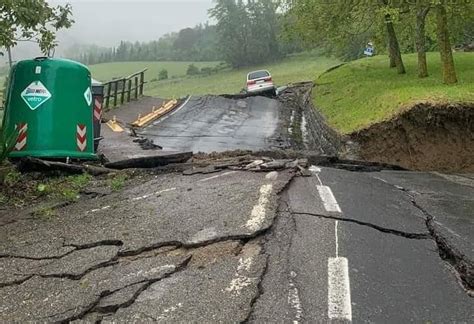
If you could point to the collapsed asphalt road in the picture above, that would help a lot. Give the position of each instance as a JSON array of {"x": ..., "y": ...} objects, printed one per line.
[
  {"x": 241, "y": 246},
  {"x": 232, "y": 240},
  {"x": 214, "y": 123}
]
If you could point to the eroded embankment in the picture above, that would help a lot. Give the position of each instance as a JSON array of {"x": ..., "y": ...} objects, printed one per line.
[
  {"x": 308, "y": 127},
  {"x": 426, "y": 137}
]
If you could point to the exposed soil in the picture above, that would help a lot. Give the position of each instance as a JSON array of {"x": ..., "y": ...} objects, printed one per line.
[{"x": 426, "y": 137}]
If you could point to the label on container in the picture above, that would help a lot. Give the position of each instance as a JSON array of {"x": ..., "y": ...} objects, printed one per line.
[
  {"x": 88, "y": 96},
  {"x": 35, "y": 95}
]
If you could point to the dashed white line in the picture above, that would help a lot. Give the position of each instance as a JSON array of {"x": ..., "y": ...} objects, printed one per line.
[
  {"x": 329, "y": 201},
  {"x": 339, "y": 291},
  {"x": 294, "y": 299},
  {"x": 167, "y": 311},
  {"x": 97, "y": 210},
  {"x": 217, "y": 176},
  {"x": 257, "y": 216},
  {"x": 153, "y": 194},
  {"x": 241, "y": 280},
  {"x": 315, "y": 170}
]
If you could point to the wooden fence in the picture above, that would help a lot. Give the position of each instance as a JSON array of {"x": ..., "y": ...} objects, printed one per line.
[{"x": 124, "y": 90}]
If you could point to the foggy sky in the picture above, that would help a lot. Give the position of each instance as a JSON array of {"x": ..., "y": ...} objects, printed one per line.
[{"x": 106, "y": 22}]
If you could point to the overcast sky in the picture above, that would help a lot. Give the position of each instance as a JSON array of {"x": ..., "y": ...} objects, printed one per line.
[{"x": 106, "y": 22}]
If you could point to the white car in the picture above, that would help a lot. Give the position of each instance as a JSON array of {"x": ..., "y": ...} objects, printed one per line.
[{"x": 260, "y": 82}]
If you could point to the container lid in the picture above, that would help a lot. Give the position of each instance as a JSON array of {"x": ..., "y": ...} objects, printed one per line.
[{"x": 96, "y": 83}]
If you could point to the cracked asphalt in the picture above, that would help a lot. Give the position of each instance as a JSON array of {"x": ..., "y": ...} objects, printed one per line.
[
  {"x": 241, "y": 246},
  {"x": 214, "y": 123}
]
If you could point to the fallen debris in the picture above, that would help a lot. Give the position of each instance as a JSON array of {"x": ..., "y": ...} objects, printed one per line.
[
  {"x": 37, "y": 165},
  {"x": 205, "y": 170},
  {"x": 147, "y": 144},
  {"x": 150, "y": 161},
  {"x": 114, "y": 125},
  {"x": 156, "y": 113}
]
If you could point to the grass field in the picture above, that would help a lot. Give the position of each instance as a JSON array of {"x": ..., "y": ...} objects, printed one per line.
[
  {"x": 109, "y": 71},
  {"x": 293, "y": 69},
  {"x": 364, "y": 92}
]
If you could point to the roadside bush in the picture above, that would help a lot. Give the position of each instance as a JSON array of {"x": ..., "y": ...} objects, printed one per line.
[
  {"x": 163, "y": 75},
  {"x": 192, "y": 70},
  {"x": 6, "y": 144},
  {"x": 207, "y": 71}
]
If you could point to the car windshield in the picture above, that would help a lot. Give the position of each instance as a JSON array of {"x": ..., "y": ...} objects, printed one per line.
[{"x": 258, "y": 75}]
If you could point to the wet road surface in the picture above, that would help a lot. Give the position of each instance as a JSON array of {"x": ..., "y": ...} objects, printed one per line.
[
  {"x": 212, "y": 123},
  {"x": 239, "y": 246}
]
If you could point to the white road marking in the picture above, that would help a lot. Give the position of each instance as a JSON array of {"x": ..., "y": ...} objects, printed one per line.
[
  {"x": 304, "y": 131},
  {"x": 315, "y": 170},
  {"x": 153, "y": 194},
  {"x": 339, "y": 291},
  {"x": 294, "y": 299},
  {"x": 273, "y": 176},
  {"x": 292, "y": 119},
  {"x": 172, "y": 113},
  {"x": 217, "y": 176},
  {"x": 385, "y": 181},
  {"x": 97, "y": 210},
  {"x": 257, "y": 216},
  {"x": 449, "y": 230},
  {"x": 241, "y": 280},
  {"x": 329, "y": 201},
  {"x": 168, "y": 311}
]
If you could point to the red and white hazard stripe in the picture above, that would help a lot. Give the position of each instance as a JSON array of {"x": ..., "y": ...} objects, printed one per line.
[
  {"x": 81, "y": 137},
  {"x": 97, "y": 110},
  {"x": 22, "y": 139}
]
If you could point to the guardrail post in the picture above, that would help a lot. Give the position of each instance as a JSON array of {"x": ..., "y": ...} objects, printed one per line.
[
  {"x": 136, "y": 87},
  {"x": 107, "y": 102},
  {"x": 142, "y": 82},
  {"x": 129, "y": 91},
  {"x": 115, "y": 93},
  {"x": 122, "y": 94}
]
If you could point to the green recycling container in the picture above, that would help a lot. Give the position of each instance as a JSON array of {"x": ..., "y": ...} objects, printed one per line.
[{"x": 49, "y": 106}]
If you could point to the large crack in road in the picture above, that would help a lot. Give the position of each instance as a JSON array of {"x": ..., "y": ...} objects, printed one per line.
[
  {"x": 234, "y": 239},
  {"x": 240, "y": 237}
]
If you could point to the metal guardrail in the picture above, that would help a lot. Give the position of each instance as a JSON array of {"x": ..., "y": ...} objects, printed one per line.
[{"x": 124, "y": 90}]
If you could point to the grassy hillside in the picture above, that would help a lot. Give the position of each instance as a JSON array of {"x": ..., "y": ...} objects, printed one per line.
[
  {"x": 366, "y": 91},
  {"x": 293, "y": 69},
  {"x": 109, "y": 71}
]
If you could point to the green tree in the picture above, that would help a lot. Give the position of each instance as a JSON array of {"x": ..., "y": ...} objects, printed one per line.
[
  {"x": 163, "y": 74},
  {"x": 32, "y": 20},
  {"x": 248, "y": 30},
  {"x": 393, "y": 44},
  {"x": 192, "y": 70},
  {"x": 422, "y": 9},
  {"x": 444, "y": 44}
]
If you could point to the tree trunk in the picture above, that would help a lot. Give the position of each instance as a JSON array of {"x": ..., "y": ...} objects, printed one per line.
[
  {"x": 391, "y": 56},
  {"x": 394, "y": 47},
  {"x": 420, "y": 41},
  {"x": 10, "y": 61},
  {"x": 444, "y": 44}
]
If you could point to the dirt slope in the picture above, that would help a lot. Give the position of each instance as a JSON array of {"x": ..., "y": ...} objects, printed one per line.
[{"x": 426, "y": 137}]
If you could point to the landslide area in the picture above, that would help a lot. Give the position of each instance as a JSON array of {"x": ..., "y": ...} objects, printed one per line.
[{"x": 426, "y": 137}]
